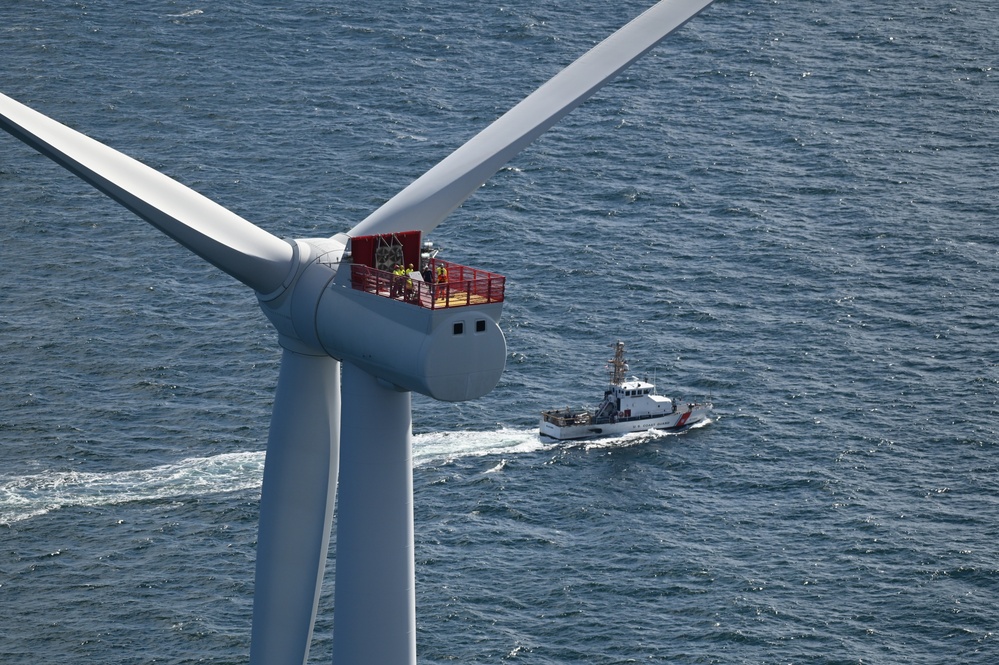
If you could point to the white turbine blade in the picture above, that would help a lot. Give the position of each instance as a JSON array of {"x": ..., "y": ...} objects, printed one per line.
[
  {"x": 374, "y": 607},
  {"x": 432, "y": 197},
  {"x": 221, "y": 237},
  {"x": 296, "y": 508}
]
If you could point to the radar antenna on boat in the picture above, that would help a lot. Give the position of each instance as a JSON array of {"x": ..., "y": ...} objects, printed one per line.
[{"x": 618, "y": 365}]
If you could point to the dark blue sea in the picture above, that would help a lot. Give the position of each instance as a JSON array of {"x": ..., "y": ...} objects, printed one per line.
[{"x": 789, "y": 207}]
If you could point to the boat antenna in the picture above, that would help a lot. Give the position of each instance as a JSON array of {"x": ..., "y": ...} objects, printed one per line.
[{"x": 618, "y": 365}]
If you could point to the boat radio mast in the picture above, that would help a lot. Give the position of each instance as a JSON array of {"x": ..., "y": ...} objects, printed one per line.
[{"x": 618, "y": 365}]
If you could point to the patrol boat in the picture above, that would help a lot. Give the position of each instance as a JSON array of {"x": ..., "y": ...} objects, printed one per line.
[{"x": 629, "y": 405}]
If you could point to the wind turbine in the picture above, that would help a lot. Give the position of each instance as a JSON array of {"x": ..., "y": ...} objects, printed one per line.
[{"x": 353, "y": 350}]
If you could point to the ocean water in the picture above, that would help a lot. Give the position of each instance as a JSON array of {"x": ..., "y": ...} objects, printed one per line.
[{"x": 788, "y": 207}]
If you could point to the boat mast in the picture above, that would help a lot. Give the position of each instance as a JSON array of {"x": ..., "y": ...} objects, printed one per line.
[{"x": 618, "y": 365}]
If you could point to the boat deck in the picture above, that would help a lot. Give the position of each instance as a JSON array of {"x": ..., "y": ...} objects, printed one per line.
[{"x": 567, "y": 418}]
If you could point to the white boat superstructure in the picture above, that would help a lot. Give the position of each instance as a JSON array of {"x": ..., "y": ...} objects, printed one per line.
[{"x": 629, "y": 405}]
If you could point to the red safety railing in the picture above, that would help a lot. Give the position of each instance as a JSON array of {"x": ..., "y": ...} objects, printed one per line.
[{"x": 464, "y": 285}]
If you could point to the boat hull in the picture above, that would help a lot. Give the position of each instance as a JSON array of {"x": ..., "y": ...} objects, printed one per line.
[{"x": 594, "y": 430}]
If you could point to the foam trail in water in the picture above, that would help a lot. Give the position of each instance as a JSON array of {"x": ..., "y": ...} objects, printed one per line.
[
  {"x": 24, "y": 497},
  {"x": 635, "y": 438},
  {"x": 444, "y": 446}
]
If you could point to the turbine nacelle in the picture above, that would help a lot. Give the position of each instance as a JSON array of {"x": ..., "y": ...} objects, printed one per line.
[{"x": 438, "y": 339}]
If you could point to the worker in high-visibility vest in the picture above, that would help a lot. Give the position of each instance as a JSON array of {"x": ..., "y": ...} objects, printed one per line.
[
  {"x": 408, "y": 274},
  {"x": 443, "y": 290},
  {"x": 398, "y": 275}
]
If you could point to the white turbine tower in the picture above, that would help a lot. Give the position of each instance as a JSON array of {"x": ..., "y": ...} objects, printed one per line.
[{"x": 340, "y": 319}]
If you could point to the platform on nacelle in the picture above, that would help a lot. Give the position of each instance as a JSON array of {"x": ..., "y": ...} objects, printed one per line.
[{"x": 396, "y": 266}]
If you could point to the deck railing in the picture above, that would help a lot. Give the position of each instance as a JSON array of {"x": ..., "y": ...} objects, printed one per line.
[{"x": 464, "y": 286}]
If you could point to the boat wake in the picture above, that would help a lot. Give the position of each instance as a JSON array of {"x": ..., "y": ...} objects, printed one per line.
[
  {"x": 26, "y": 496},
  {"x": 638, "y": 438},
  {"x": 437, "y": 447}
]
